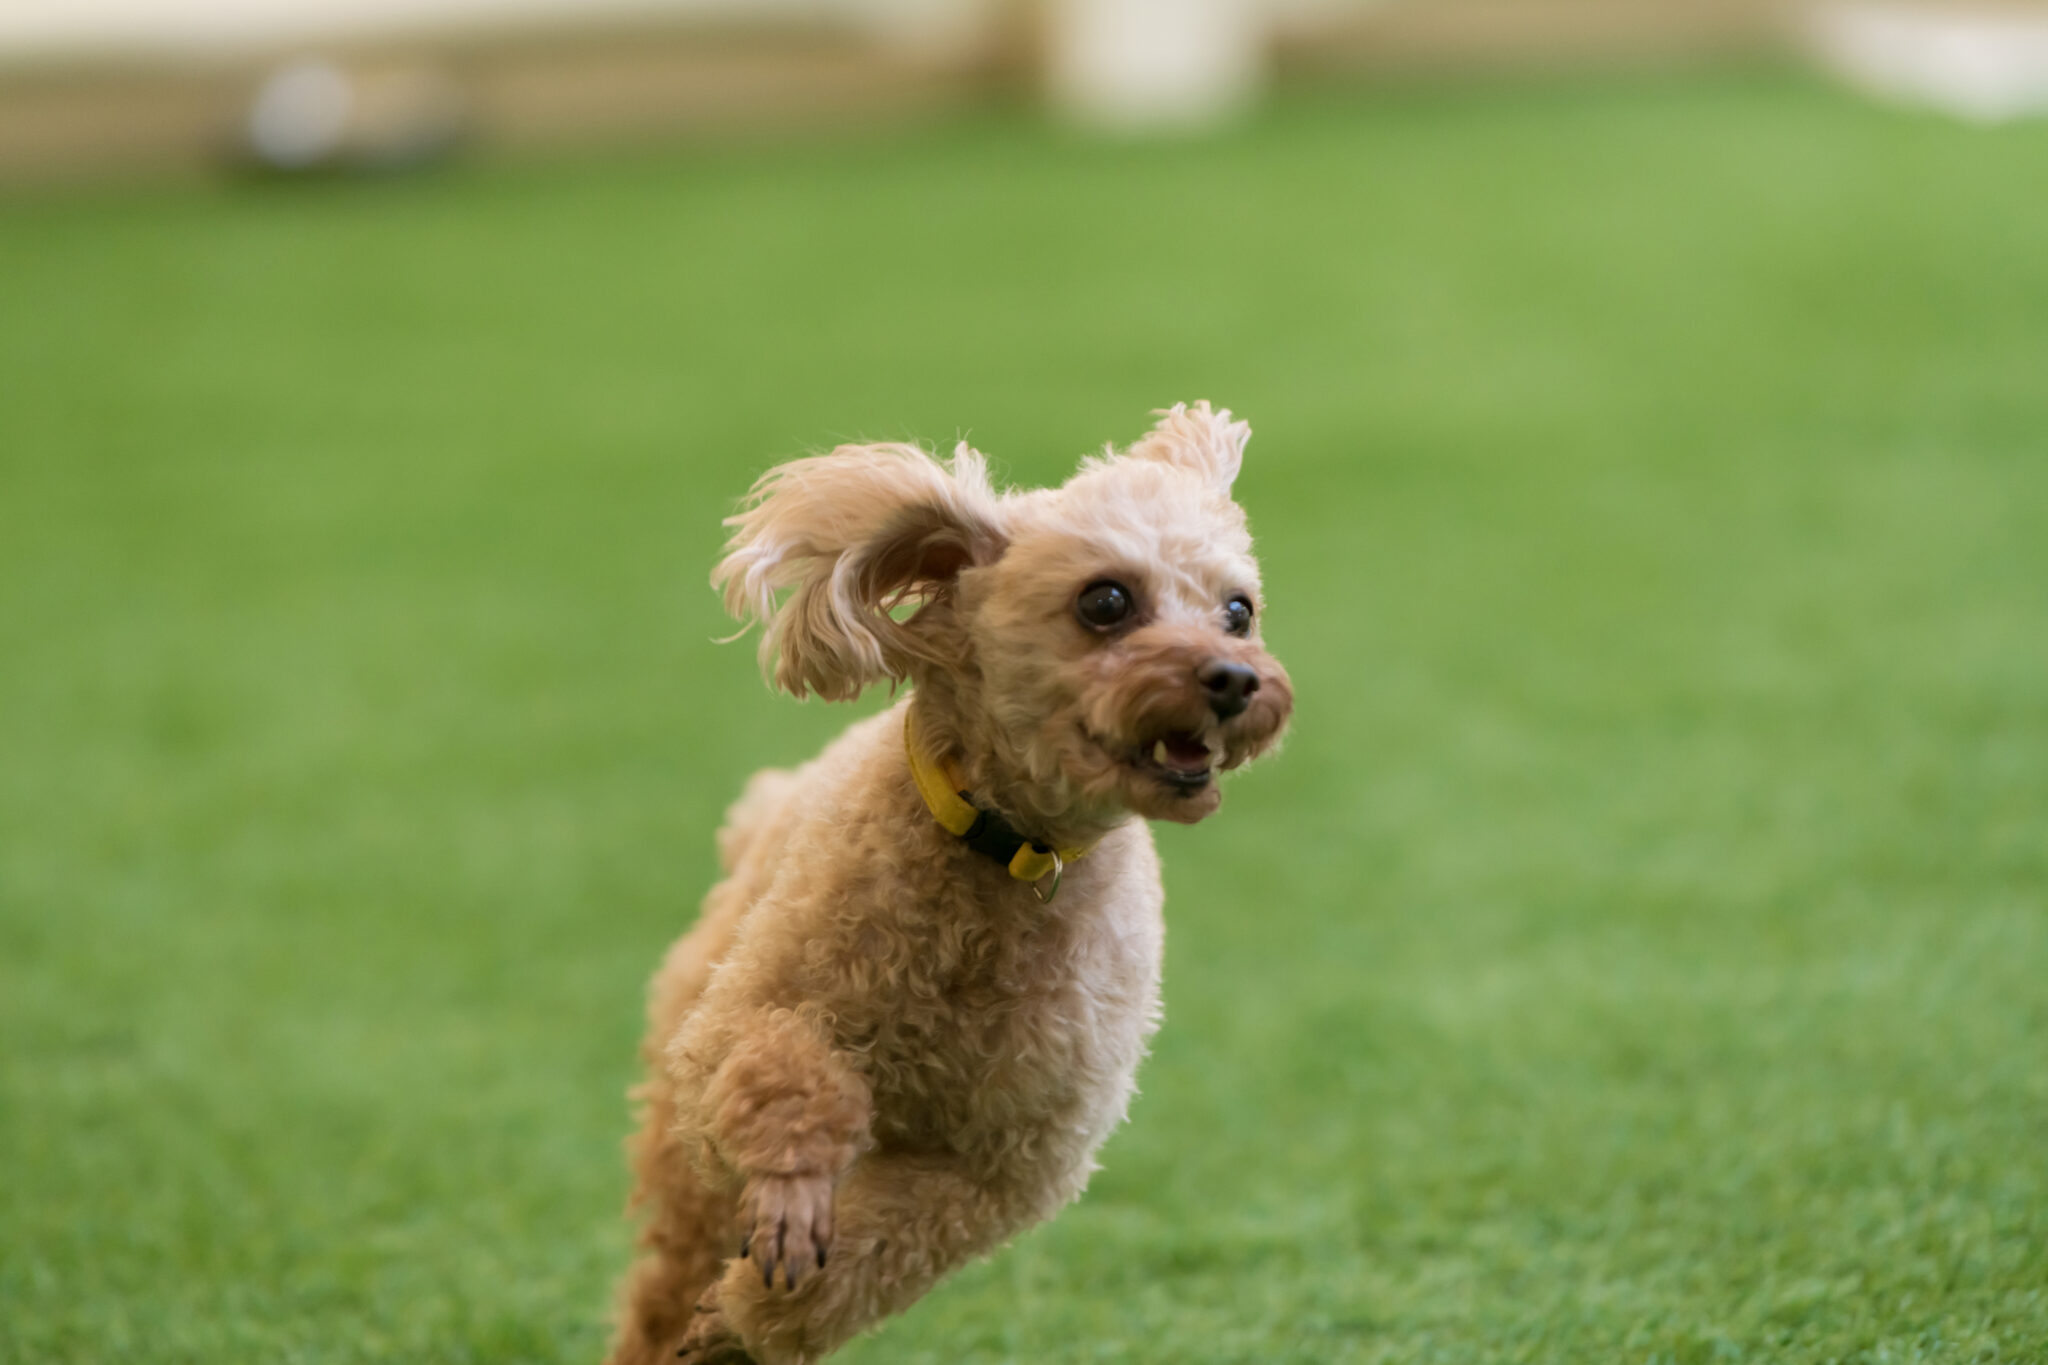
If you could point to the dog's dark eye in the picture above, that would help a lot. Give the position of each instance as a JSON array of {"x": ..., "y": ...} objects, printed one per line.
[
  {"x": 1237, "y": 615},
  {"x": 1102, "y": 605}
]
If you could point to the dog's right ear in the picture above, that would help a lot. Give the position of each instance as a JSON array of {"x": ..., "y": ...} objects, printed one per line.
[{"x": 863, "y": 541}]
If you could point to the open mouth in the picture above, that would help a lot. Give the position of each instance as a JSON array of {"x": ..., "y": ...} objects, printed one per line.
[{"x": 1179, "y": 758}]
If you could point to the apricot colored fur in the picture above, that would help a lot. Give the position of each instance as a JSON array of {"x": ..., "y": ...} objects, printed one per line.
[{"x": 877, "y": 1056}]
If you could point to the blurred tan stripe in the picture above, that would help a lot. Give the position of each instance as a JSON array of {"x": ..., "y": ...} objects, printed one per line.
[
  {"x": 602, "y": 93},
  {"x": 61, "y": 125},
  {"x": 1492, "y": 35},
  {"x": 558, "y": 89},
  {"x": 92, "y": 122}
]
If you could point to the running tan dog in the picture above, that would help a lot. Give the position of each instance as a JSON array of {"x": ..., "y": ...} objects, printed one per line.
[{"x": 916, "y": 1004}]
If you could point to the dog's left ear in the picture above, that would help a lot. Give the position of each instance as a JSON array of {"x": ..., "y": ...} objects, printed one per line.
[
  {"x": 866, "y": 541},
  {"x": 1199, "y": 441}
]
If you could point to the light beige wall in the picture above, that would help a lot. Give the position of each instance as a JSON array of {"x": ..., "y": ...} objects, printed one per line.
[{"x": 71, "y": 29}]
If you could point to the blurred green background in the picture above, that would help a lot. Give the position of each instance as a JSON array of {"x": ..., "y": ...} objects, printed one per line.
[{"x": 1639, "y": 952}]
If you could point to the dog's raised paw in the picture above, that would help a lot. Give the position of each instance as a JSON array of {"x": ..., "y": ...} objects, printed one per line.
[{"x": 788, "y": 1226}]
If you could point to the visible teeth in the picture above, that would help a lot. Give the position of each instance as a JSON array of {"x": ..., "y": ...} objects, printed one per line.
[{"x": 1159, "y": 753}]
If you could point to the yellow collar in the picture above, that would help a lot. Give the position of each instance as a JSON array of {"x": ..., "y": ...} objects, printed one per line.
[{"x": 987, "y": 833}]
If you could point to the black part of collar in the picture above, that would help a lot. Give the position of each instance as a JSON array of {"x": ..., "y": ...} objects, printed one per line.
[{"x": 992, "y": 837}]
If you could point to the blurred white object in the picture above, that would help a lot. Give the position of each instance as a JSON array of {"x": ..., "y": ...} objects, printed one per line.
[
  {"x": 1988, "y": 66},
  {"x": 1136, "y": 64},
  {"x": 300, "y": 115},
  {"x": 313, "y": 114}
]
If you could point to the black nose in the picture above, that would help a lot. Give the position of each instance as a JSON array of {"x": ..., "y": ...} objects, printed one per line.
[{"x": 1230, "y": 686}]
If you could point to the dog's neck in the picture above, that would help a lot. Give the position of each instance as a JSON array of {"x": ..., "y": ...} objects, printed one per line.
[{"x": 1044, "y": 809}]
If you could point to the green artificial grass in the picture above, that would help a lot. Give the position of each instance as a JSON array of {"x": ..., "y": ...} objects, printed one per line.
[{"x": 1638, "y": 954}]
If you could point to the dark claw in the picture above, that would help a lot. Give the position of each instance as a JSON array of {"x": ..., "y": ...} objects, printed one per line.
[
  {"x": 789, "y": 1272},
  {"x": 745, "y": 1242},
  {"x": 767, "y": 1273},
  {"x": 821, "y": 1258}
]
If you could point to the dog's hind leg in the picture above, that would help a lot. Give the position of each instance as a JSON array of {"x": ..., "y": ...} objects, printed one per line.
[
  {"x": 691, "y": 1229},
  {"x": 688, "y": 1235},
  {"x": 683, "y": 1243}
]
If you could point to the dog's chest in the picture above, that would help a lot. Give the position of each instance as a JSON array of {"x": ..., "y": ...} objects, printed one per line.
[{"x": 989, "y": 1028}]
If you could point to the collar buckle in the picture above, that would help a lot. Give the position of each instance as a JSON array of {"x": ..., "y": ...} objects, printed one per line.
[{"x": 1045, "y": 896}]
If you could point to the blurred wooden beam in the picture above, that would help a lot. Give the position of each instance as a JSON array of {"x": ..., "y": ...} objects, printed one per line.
[
  {"x": 1518, "y": 35},
  {"x": 108, "y": 120},
  {"x": 536, "y": 86},
  {"x": 124, "y": 117}
]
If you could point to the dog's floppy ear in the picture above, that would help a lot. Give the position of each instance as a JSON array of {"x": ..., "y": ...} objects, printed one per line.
[
  {"x": 855, "y": 537},
  {"x": 1199, "y": 441}
]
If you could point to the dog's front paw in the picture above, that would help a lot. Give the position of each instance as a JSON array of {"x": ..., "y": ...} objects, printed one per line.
[{"x": 788, "y": 1222}]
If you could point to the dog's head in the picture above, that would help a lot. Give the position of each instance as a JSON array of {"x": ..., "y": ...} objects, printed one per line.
[{"x": 1085, "y": 650}]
